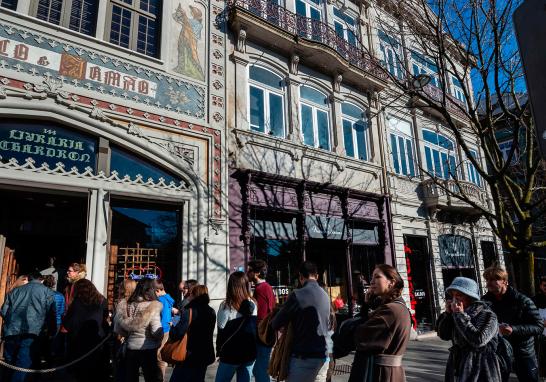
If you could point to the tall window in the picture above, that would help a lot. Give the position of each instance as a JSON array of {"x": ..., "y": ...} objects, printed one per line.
[
  {"x": 401, "y": 140},
  {"x": 422, "y": 65},
  {"x": 9, "y": 4},
  {"x": 473, "y": 175},
  {"x": 135, "y": 25},
  {"x": 310, "y": 9},
  {"x": 457, "y": 89},
  {"x": 391, "y": 55},
  {"x": 439, "y": 155},
  {"x": 505, "y": 148},
  {"x": 345, "y": 26},
  {"x": 77, "y": 15},
  {"x": 266, "y": 106},
  {"x": 355, "y": 131},
  {"x": 314, "y": 110}
]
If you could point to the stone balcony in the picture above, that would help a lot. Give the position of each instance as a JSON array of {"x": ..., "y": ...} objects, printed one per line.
[
  {"x": 316, "y": 44},
  {"x": 453, "y": 105},
  {"x": 435, "y": 196}
]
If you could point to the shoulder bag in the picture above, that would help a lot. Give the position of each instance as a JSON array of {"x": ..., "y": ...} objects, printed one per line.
[{"x": 176, "y": 351}]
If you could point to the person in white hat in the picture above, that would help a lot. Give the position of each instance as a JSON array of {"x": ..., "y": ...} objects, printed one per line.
[{"x": 473, "y": 328}]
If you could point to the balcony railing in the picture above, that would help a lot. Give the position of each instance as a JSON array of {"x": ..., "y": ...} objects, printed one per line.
[
  {"x": 311, "y": 30},
  {"x": 435, "y": 195},
  {"x": 453, "y": 104}
]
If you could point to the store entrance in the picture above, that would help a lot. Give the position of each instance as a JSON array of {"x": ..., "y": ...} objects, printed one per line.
[{"x": 42, "y": 225}]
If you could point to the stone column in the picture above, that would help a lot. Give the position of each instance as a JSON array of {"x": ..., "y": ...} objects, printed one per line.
[
  {"x": 338, "y": 145},
  {"x": 102, "y": 12},
  {"x": 97, "y": 239},
  {"x": 293, "y": 82},
  {"x": 241, "y": 60},
  {"x": 23, "y": 6}
]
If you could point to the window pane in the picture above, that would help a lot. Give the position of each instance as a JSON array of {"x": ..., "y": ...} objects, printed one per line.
[
  {"x": 339, "y": 29},
  {"x": 444, "y": 142},
  {"x": 351, "y": 110},
  {"x": 121, "y": 26},
  {"x": 394, "y": 149},
  {"x": 147, "y": 36},
  {"x": 50, "y": 11},
  {"x": 409, "y": 151},
  {"x": 452, "y": 166},
  {"x": 313, "y": 95},
  {"x": 348, "y": 138},
  {"x": 307, "y": 125},
  {"x": 428, "y": 157},
  {"x": 351, "y": 37},
  {"x": 257, "y": 109},
  {"x": 315, "y": 14},
  {"x": 265, "y": 77},
  {"x": 9, "y": 4},
  {"x": 360, "y": 130},
  {"x": 276, "y": 115},
  {"x": 300, "y": 8},
  {"x": 437, "y": 164},
  {"x": 83, "y": 16},
  {"x": 403, "y": 155},
  {"x": 431, "y": 137},
  {"x": 323, "y": 131}
]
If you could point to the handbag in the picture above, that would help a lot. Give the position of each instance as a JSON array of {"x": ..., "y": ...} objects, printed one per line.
[
  {"x": 176, "y": 351},
  {"x": 266, "y": 334}
]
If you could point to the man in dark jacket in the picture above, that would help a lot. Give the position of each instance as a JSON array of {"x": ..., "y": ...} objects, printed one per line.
[
  {"x": 26, "y": 309},
  {"x": 308, "y": 310},
  {"x": 519, "y": 321}
]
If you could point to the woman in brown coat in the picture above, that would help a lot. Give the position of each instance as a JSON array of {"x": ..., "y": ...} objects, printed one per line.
[{"x": 382, "y": 340}]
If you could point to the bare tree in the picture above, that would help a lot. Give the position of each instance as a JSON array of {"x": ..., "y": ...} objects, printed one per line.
[{"x": 471, "y": 45}]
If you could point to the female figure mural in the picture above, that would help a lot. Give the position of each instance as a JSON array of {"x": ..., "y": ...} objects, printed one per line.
[{"x": 190, "y": 35}]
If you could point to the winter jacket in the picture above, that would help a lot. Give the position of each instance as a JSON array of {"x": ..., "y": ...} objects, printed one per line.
[
  {"x": 518, "y": 311},
  {"x": 237, "y": 333},
  {"x": 27, "y": 308},
  {"x": 166, "y": 312},
  {"x": 385, "y": 333},
  {"x": 308, "y": 309},
  {"x": 200, "y": 332},
  {"x": 140, "y": 324},
  {"x": 472, "y": 357},
  {"x": 59, "y": 307}
]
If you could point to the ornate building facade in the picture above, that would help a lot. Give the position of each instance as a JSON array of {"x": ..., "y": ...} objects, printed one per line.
[
  {"x": 323, "y": 165},
  {"x": 111, "y": 138}
]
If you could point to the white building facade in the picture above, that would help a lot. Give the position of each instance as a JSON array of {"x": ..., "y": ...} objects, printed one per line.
[{"x": 323, "y": 165}]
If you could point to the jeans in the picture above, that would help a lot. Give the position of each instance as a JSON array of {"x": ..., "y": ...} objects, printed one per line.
[
  {"x": 226, "y": 371},
  {"x": 147, "y": 359},
  {"x": 262, "y": 363},
  {"x": 20, "y": 350},
  {"x": 526, "y": 368},
  {"x": 184, "y": 373},
  {"x": 307, "y": 370}
]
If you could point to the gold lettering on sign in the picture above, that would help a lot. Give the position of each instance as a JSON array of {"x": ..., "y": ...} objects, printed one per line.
[{"x": 72, "y": 66}]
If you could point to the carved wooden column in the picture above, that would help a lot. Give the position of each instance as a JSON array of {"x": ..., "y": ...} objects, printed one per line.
[
  {"x": 300, "y": 221},
  {"x": 246, "y": 234},
  {"x": 344, "y": 197}
]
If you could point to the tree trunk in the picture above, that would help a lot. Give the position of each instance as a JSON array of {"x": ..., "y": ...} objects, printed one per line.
[{"x": 526, "y": 273}]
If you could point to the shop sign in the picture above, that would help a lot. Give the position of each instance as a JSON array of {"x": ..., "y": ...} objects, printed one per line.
[
  {"x": 455, "y": 251},
  {"x": 274, "y": 229},
  {"x": 324, "y": 227},
  {"x": 46, "y": 144}
]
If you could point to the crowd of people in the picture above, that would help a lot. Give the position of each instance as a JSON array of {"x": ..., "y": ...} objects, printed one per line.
[{"x": 492, "y": 335}]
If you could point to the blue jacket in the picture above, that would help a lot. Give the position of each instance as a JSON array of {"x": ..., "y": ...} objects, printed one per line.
[
  {"x": 27, "y": 308},
  {"x": 59, "y": 307},
  {"x": 166, "y": 312}
]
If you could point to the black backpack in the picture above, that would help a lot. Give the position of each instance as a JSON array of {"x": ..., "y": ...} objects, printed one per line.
[
  {"x": 505, "y": 354},
  {"x": 344, "y": 336}
]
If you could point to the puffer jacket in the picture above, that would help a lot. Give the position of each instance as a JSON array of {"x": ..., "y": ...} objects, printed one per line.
[
  {"x": 472, "y": 358},
  {"x": 27, "y": 308},
  {"x": 140, "y": 324},
  {"x": 518, "y": 311}
]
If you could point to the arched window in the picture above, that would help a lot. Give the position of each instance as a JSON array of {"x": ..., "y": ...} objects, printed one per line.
[
  {"x": 440, "y": 155},
  {"x": 401, "y": 140},
  {"x": 355, "y": 131},
  {"x": 315, "y": 125},
  {"x": 266, "y": 106},
  {"x": 472, "y": 173}
]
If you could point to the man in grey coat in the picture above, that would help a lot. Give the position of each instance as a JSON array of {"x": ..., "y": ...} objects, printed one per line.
[
  {"x": 308, "y": 310},
  {"x": 26, "y": 309}
]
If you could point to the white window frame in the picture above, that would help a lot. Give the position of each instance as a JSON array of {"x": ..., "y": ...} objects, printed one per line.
[
  {"x": 353, "y": 121},
  {"x": 472, "y": 172},
  {"x": 64, "y": 20},
  {"x": 385, "y": 48},
  {"x": 346, "y": 27},
  {"x": 434, "y": 78},
  {"x": 406, "y": 138},
  {"x": 314, "y": 107},
  {"x": 441, "y": 150},
  {"x": 267, "y": 110},
  {"x": 457, "y": 91}
]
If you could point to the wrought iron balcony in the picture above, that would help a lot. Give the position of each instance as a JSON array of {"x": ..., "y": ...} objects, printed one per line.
[
  {"x": 453, "y": 104},
  {"x": 436, "y": 197},
  {"x": 301, "y": 33}
]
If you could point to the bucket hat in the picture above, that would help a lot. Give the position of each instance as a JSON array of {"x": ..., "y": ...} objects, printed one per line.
[{"x": 466, "y": 286}]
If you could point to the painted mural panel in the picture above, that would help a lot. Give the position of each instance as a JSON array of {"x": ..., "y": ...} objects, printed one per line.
[{"x": 188, "y": 46}]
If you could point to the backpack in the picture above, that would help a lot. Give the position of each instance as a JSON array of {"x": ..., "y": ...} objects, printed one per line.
[{"x": 505, "y": 354}]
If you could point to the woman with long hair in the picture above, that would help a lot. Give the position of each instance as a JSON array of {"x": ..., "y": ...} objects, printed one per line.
[
  {"x": 86, "y": 323},
  {"x": 125, "y": 290},
  {"x": 200, "y": 344},
  {"x": 236, "y": 340},
  {"x": 138, "y": 320},
  {"x": 383, "y": 338}
]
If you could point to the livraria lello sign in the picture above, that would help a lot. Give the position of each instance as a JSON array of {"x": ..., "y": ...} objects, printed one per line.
[{"x": 46, "y": 143}]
